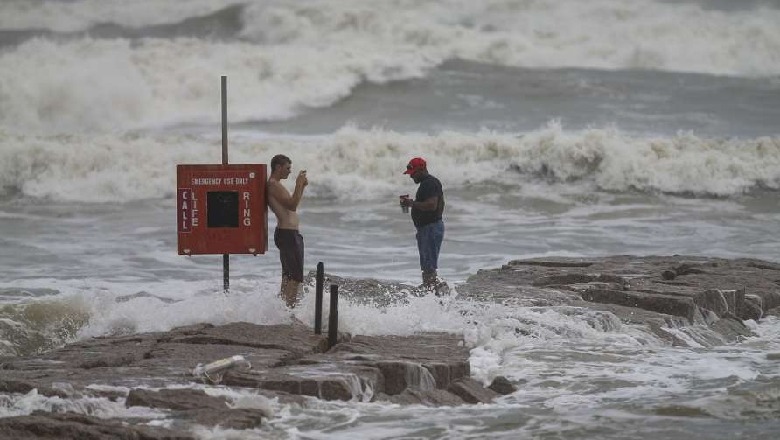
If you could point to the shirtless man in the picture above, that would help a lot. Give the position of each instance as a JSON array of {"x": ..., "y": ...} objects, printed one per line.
[{"x": 286, "y": 236}]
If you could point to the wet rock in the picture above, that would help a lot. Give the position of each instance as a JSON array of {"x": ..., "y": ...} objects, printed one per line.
[
  {"x": 653, "y": 291},
  {"x": 434, "y": 397},
  {"x": 289, "y": 363},
  {"x": 688, "y": 269},
  {"x": 751, "y": 308},
  {"x": 552, "y": 262},
  {"x": 176, "y": 399},
  {"x": 330, "y": 387},
  {"x": 197, "y": 406},
  {"x": 570, "y": 278},
  {"x": 399, "y": 376},
  {"x": 654, "y": 302},
  {"x": 731, "y": 329},
  {"x": 720, "y": 302},
  {"x": 116, "y": 360},
  {"x": 226, "y": 418},
  {"x": 502, "y": 385},
  {"x": 445, "y": 373},
  {"x": 10, "y": 386},
  {"x": 71, "y": 426},
  {"x": 472, "y": 391},
  {"x": 294, "y": 338},
  {"x": 337, "y": 389}
]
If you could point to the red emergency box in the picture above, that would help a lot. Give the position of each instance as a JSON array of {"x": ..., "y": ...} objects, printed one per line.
[{"x": 222, "y": 209}]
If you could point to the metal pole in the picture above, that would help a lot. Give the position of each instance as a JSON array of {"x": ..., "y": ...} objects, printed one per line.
[
  {"x": 318, "y": 299},
  {"x": 224, "y": 121},
  {"x": 225, "y": 257},
  {"x": 333, "y": 319}
]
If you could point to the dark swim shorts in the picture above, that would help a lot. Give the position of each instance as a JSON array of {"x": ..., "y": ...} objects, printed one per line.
[{"x": 290, "y": 244}]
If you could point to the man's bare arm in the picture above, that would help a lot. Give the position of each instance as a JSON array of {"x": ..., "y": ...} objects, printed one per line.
[{"x": 279, "y": 193}]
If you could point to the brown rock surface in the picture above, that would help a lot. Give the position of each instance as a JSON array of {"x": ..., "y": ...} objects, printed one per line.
[
  {"x": 288, "y": 361},
  {"x": 70, "y": 426},
  {"x": 674, "y": 291}
]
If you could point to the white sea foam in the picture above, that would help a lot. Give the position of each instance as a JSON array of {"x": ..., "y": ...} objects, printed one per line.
[
  {"x": 296, "y": 55},
  {"x": 194, "y": 302},
  {"x": 24, "y": 404},
  {"x": 625, "y": 364},
  {"x": 114, "y": 85},
  {"x": 610, "y": 34},
  {"x": 680, "y": 36},
  {"x": 355, "y": 164}
]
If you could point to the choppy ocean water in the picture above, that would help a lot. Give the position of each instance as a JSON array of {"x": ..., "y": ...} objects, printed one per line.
[{"x": 557, "y": 128}]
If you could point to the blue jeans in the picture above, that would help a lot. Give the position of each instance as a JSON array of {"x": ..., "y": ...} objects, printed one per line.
[{"x": 429, "y": 238}]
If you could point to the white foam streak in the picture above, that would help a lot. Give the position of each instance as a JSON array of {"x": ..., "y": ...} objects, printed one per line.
[
  {"x": 637, "y": 366},
  {"x": 424, "y": 314},
  {"x": 355, "y": 164},
  {"x": 248, "y": 301},
  {"x": 24, "y": 404},
  {"x": 501, "y": 334}
]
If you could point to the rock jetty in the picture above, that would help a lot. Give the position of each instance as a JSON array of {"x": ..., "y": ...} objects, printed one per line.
[
  {"x": 707, "y": 297},
  {"x": 288, "y": 362}
]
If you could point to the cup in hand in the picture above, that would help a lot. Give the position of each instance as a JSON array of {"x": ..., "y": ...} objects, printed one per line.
[{"x": 402, "y": 199}]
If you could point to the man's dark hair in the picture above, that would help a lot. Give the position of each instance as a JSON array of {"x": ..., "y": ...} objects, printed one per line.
[{"x": 279, "y": 160}]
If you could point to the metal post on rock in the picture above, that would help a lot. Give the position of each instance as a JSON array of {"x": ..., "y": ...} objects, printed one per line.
[
  {"x": 318, "y": 298},
  {"x": 225, "y": 257},
  {"x": 333, "y": 319}
]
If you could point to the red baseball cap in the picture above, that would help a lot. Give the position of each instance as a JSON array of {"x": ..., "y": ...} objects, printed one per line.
[{"x": 417, "y": 163}]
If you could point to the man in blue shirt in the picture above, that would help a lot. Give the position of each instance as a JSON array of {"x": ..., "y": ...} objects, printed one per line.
[{"x": 427, "y": 208}]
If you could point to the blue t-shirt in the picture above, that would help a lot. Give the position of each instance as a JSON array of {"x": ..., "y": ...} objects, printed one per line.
[{"x": 429, "y": 187}]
